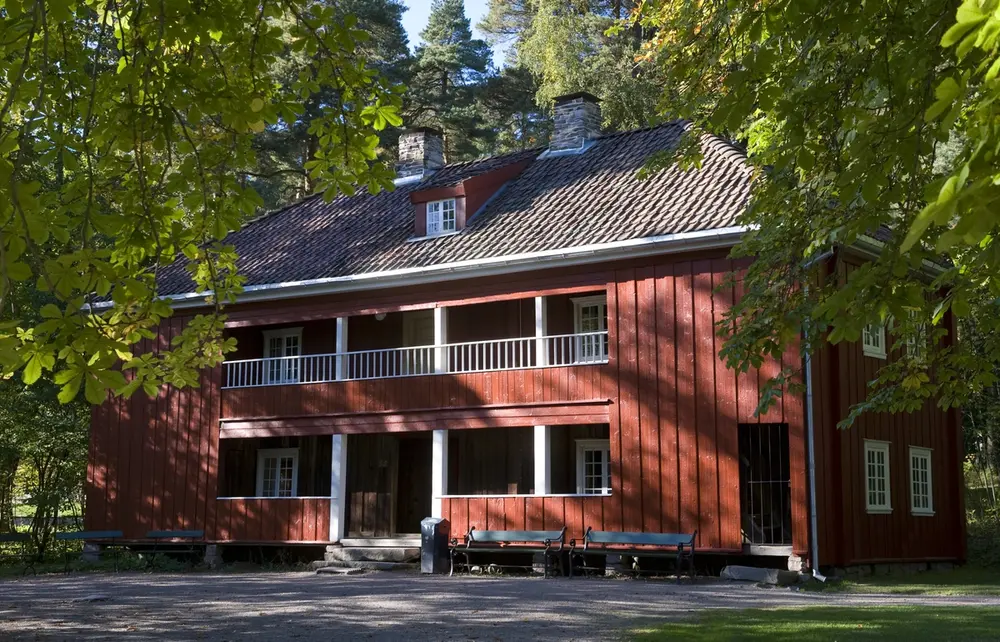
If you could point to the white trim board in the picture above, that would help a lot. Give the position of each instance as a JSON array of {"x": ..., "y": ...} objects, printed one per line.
[{"x": 524, "y": 262}]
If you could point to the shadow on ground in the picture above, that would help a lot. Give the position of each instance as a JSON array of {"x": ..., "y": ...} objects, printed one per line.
[{"x": 376, "y": 606}]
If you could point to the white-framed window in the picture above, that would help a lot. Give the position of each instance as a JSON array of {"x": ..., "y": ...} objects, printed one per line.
[
  {"x": 593, "y": 466},
  {"x": 282, "y": 349},
  {"x": 278, "y": 472},
  {"x": 921, "y": 482},
  {"x": 878, "y": 495},
  {"x": 441, "y": 217},
  {"x": 873, "y": 340},
  {"x": 590, "y": 315}
]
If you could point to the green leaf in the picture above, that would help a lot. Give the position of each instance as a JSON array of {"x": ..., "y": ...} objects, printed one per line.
[
  {"x": 70, "y": 389},
  {"x": 94, "y": 392}
]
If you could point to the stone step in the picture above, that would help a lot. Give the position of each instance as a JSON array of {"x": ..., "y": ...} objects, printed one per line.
[
  {"x": 345, "y": 567},
  {"x": 371, "y": 554}
]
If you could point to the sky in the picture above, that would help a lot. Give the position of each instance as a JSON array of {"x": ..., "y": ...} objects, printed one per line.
[{"x": 415, "y": 19}]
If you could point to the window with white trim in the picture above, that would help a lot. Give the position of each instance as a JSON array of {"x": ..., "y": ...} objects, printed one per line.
[
  {"x": 277, "y": 472},
  {"x": 878, "y": 493},
  {"x": 590, "y": 317},
  {"x": 593, "y": 466},
  {"x": 873, "y": 340},
  {"x": 282, "y": 349},
  {"x": 441, "y": 217},
  {"x": 921, "y": 484}
]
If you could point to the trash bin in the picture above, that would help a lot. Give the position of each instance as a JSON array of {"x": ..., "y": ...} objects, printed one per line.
[{"x": 434, "y": 535}]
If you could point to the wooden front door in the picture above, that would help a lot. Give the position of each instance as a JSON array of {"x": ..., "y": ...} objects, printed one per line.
[
  {"x": 413, "y": 502},
  {"x": 372, "y": 469}
]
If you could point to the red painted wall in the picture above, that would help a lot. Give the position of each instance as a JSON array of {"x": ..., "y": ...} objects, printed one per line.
[
  {"x": 848, "y": 534},
  {"x": 673, "y": 415}
]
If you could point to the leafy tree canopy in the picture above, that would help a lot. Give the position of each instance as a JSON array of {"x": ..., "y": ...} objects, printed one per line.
[
  {"x": 568, "y": 48},
  {"x": 873, "y": 118},
  {"x": 126, "y": 133}
]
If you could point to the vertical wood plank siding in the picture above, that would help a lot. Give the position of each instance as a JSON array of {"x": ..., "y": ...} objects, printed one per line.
[
  {"x": 848, "y": 534},
  {"x": 673, "y": 429}
]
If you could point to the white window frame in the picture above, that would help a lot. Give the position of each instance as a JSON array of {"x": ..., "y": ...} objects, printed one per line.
[
  {"x": 582, "y": 447},
  {"x": 876, "y": 446},
  {"x": 288, "y": 370},
  {"x": 279, "y": 453},
  {"x": 917, "y": 452},
  {"x": 873, "y": 340},
  {"x": 438, "y": 222},
  {"x": 591, "y": 349}
]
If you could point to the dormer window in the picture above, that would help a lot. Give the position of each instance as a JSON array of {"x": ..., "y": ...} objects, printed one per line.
[{"x": 441, "y": 217}]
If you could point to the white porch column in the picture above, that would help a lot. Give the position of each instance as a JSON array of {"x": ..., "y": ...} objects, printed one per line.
[
  {"x": 440, "y": 339},
  {"x": 338, "y": 455},
  {"x": 341, "y": 348},
  {"x": 338, "y": 488},
  {"x": 543, "y": 436},
  {"x": 439, "y": 471}
]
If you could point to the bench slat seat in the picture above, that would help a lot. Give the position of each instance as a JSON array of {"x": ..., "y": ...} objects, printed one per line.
[
  {"x": 14, "y": 538},
  {"x": 515, "y": 536},
  {"x": 75, "y": 536},
  {"x": 674, "y": 545},
  {"x": 548, "y": 543},
  {"x": 78, "y": 535},
  {"x": 641, "y": 539}
]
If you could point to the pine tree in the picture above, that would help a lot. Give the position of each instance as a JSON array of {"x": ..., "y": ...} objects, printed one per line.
[
  {"x": 449, "y": 68},
  {"x": 512, "y": 117},
  {"x": 282, "y": 151}
]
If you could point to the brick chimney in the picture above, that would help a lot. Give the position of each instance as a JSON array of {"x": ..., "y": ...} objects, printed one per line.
[
  {"x": 421, "y": 150},
  {"x": 577, "y": 121}
]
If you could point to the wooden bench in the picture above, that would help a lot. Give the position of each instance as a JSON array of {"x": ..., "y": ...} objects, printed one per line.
[
  {"x": 548, "y": 543},
  {"x": 108, "y": 538},
  {"x": 669, "y": 545},
  {"x": 19, "y": 542},
  {"x": 177, "y": 542}
]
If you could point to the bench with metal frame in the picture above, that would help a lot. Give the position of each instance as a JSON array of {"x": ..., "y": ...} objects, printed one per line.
[
  {"x": 179, "y": 542},
  {"x": 549, "y": 543},
  {"x": 106, "y": 538},
  {"x": 642, "y": 545},
  {"x": 20, "y": 542}
]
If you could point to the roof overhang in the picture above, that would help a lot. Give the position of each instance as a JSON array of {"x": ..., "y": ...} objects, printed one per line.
[{"x": 581, "y": 255}]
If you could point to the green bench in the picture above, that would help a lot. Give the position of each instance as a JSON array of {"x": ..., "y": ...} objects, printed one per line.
[
  {"x": 19, "y": 543},
  {"x": 656, "y": 545},
  {"x": 107, "y": 538},
  {"x": 176, "y": 542},
  {"x": 548, "y": 543}
]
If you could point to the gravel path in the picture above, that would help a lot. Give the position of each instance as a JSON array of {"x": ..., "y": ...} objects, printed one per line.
[{"x": 375, "y": 606}]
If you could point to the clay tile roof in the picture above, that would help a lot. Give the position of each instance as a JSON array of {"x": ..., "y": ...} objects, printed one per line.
[{"x": 557, "y": 202}]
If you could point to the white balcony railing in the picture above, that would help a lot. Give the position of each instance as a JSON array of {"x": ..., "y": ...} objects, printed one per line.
[{"x": 452, "y": 358}]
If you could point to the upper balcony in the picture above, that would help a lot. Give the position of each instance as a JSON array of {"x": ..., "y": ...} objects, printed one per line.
[
  {"x": 484, "y": 355},
  {"x": 451, "y": 358}
]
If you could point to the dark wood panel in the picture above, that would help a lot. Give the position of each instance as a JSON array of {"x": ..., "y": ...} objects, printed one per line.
[{"x": 413, "y": 393}]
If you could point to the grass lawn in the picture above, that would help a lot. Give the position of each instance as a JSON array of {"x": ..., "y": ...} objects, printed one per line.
[
  {"x": 961, "y": 581},
  {"x": 834, "y": 623}
]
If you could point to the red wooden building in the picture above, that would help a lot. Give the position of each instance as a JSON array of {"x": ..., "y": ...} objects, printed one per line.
[{"x": 525, "y": 341}]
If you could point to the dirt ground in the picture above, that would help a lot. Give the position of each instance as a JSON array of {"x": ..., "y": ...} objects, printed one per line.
[{"x": 374, "y": 606}]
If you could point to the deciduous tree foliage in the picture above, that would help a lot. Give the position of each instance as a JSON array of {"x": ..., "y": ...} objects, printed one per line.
[
  {"x": 125, "y": 132},
  {"x": 568, "y": 47},
  {"x": 874, "y": 118}
]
